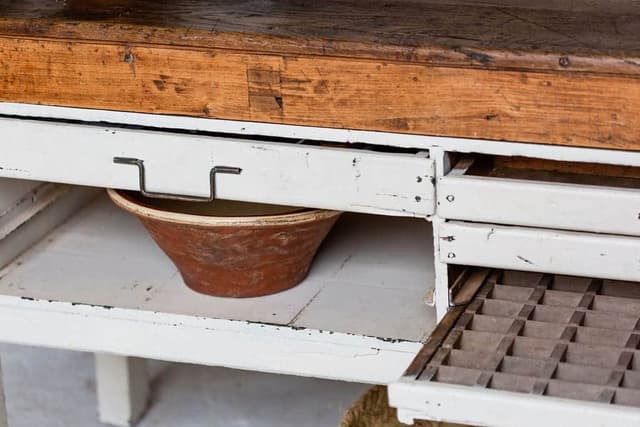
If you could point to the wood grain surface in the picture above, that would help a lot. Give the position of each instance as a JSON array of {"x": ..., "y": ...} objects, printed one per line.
[
  {"x": 557, "y": 72},
  {"x": 598, "y": 35}
]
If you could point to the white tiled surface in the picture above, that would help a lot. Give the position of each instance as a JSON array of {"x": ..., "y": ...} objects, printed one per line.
[{"x": 54, "y": 388}]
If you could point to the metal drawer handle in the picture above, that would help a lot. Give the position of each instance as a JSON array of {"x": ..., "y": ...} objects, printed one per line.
[{"x": 143, "y": 186}]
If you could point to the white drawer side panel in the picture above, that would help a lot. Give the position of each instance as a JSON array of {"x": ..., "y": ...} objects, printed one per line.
[
  {"x": 293, "y": 174},
  {"x": 530, "y": 249},
  {"x": 540, "y": 204}
]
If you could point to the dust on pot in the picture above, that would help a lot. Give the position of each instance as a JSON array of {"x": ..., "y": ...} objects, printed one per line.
[{"x": 233, "y": 249}]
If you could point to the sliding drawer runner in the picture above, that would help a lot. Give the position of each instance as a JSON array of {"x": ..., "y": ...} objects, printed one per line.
[
  {"x": 531, "y": 349},
  {"x": 568, "y": 196},
  {"x": 30, "y": 209},
  {"x": 180, "y": 164}
]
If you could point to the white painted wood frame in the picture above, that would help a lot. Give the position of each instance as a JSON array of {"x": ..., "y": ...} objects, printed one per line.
[
  {"x": 14, "y": 195},
  {"x": 122, "y": 388},
  {"x": 484, "y": 407},
  {"x": 536, "y": 249},
  {"x": 441, "y": 289},
  {"x": 420, "y": 142},
  {"x": 204, "y": 341},
  {"x": 39, "y": 209},
  {"x": 79, "y": 153},
  {"x": 557, "y": 205},
  {"x": 278, "y": 173},
  {"x": 3, "y": 406}
]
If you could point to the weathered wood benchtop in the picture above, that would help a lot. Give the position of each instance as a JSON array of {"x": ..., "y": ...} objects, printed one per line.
[{"x": 560, "y": 72}]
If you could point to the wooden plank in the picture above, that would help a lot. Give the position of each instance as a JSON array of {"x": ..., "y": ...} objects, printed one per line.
[
  {"x": 504, "y": 165},
  {"x": 565, "y": 109},
  {"x": 543, "y": 250},
  {"x": 598, "y": 35},
  {"x": 238, "y": 344},
  {"x": 433, "y": 343},
  {"x": 466, "y": 286}
]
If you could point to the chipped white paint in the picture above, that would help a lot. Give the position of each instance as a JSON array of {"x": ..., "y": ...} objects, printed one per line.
[
  {"x": 279, "y": 173},
  {"x": 13, "y": 195},
  {"x": 484, "y": 407},
  {"x": 536, "y": 249},
  {"x": 540, "y": 204},
  {"x": 204, "y": 341},
  {"x": 465, "y": 145},
  {"x": 122, "y": 388}
]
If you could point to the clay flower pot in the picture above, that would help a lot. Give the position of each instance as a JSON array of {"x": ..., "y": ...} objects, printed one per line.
[{"x": 233, "y": 249}]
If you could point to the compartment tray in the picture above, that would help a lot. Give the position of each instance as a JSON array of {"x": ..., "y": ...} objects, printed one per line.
[{"x": 543, "y": 334}]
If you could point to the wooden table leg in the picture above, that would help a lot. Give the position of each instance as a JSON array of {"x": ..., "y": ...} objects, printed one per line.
[{"x": 122, "y": 389}]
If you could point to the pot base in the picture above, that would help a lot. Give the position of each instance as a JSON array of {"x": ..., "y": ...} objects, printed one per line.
[{"x": 241, "y": 262}]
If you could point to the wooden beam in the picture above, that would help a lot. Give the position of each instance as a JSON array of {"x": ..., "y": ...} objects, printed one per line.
[
  {"x": 581, "y": 109},
  {"x": 559, "y": 35}
]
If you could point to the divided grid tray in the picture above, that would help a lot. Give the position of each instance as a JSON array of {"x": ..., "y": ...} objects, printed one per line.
[{"x": 544, "y": 334}]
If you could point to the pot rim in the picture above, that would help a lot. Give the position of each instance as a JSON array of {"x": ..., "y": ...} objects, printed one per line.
[{"x": 140, "y": 210}]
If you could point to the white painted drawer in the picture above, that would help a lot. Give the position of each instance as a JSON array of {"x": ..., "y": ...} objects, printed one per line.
[
  {"x": 549, "y": 203},
  {"x": 530, "y": 350},
  {"x": 399, "y": 184},
  {"x": 543, "y": 250}
]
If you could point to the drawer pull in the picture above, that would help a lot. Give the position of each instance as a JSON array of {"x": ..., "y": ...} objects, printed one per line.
[{"x": 143, "y": 186}]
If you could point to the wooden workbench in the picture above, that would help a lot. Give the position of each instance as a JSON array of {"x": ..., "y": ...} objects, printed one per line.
[{"x": 567, "y": 74}]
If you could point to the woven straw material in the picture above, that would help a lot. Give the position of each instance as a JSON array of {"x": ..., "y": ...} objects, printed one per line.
[{"x": 373, "y": 410}]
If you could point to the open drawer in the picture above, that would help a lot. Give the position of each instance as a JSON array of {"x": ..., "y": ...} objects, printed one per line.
[
  {"x": 206, "y": 165},
  {"x": 530, "y": 349},
  {"x": 539, "y": 193}
]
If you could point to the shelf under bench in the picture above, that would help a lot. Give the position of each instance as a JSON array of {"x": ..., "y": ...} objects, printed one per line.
[{"x": 98, "y": 283}]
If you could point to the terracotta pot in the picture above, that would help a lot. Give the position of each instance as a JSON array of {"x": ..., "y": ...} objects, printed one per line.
[{"x": 233, "y": 249}]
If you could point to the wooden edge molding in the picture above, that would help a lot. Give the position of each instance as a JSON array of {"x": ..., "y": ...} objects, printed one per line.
[{"x": 573, "y": 109}]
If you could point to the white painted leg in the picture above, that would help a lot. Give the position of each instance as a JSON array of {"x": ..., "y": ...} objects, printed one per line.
[
  {"x": 122, "y": 386},
  {"x": 3, "y": 406}
]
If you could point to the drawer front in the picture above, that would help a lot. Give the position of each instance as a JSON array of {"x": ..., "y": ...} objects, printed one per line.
[
  {"x": 481, "y": 407},
  {"x": 270, "y": 172},
  {"x": 543, "y": 250},
  {"x": 600, "y": 209}
]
